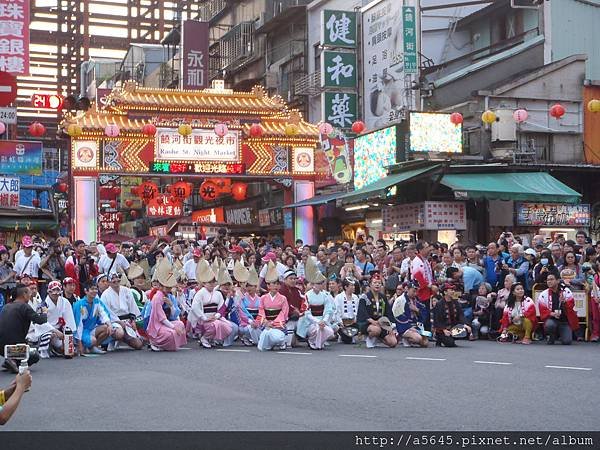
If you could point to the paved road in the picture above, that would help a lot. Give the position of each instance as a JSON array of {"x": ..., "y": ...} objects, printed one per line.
[{"x": 479, "y": 386}]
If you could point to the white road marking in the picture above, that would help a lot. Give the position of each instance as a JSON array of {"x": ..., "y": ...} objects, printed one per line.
[
  {"x": 184, "y": 348},
  {"x": 493, "y": 362},
  {"x": 425, "y": 359},
  {"x": 359, "y": 356},
  {"x": 232, "y": 350},
  {"x": 294, "y": 353},
  {"x": 568, "y": 368}
]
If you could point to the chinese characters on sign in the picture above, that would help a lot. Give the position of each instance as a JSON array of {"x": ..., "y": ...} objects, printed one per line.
[
  {"x": 270, "y": 216},
  {"x": 410, "y": 39},
  {"x": 339, "y": 29},
  {"x": 163, "y": 206},
  {"x": 14, "y": 36},
  {"x": 195, "y": 55},
  {"x": 425, "y": 216},
  {"x": 201, "y": 145},
  {"x": 109, "y": 222},
  {"x": 339, "y": 69},
  {"x": 387, "y": 66},
  {"x": 553, "y": 214},
  {"x": 339, "y": 109},
  {"x": 21, "y": 157},
  {"x": 9, "y": 192},
  {"x": 203, "y": 167}
]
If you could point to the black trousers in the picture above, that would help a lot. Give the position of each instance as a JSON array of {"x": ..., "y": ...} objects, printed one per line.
[{"x": 442, "y": 340}]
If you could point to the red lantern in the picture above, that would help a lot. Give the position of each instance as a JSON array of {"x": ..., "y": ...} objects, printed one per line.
[
  {"x": 36, "y": 129},
  {"x": 134, "y": 190},
  {"x": 113, "y": 204},
  {"x": 180, "y": 190},
  {"x": 149, "y": 129},
  {"x": 238, "y": 191},
  {"x": 128, "y": 203},
  {"x": 456, "y": 118},
  {"x": 35, "y": 202},
  {"x": 256, "y": 130},
  {"x": 358, "y": 126},
  {"x": 117, "y": 190},
  {"x": 147, "y": 191},
  {"x": 557, "y": 111},
  {"x": 208, "y": 191},
  {"x": 133, "y": 213},
  {"x": 62, "y": 187}
]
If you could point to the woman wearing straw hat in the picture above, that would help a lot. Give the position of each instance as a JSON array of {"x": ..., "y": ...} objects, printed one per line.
[
  {"x": 164, "y": 332},
  {"x": 272, "y": 313},
  {"x": 249, "y": 303},
  {"x": 231, "y": 298},
  {"x": 204, "y": 318}
]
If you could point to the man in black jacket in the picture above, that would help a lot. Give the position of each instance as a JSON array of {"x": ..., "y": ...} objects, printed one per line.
[
  {"x": 447, "y": 314},
  {"x": 15, "y": 320}
]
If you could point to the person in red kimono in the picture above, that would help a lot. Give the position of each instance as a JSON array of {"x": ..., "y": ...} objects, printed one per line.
[
  {"x": 557, "y": 311},
  {"x": 519, "y": 317}
]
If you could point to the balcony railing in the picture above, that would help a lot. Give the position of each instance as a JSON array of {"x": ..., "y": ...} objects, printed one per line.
[
  {"x": 309, "y": 84},
  {"x": 210, "y": 9},
  {"x": 276, "y": 7},
  {"x": 236, "y": 45}
]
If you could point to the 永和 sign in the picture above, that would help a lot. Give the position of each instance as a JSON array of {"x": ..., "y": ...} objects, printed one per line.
[
  {"x": 14, "y": 37},
  {"x": 339, "y": 28},
  {"x": 195, "y": 55},
  {"x": 553, "y": 214},
  {"x": 339, "y": 108},
  {"x": 200, "y": 146},
  {"x": 9, "y": 192}
]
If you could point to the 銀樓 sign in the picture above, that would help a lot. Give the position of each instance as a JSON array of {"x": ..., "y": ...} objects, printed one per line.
[{"x": 201, "y": 145}]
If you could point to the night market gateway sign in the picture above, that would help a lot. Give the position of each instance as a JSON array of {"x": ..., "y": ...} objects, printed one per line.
[{"x": 201, "y": 145}]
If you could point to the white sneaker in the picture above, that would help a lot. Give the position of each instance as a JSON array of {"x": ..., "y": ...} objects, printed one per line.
[
  {"x": 371, "y": 341},
  {"x": 204, "y": 343},
  {"x": 154, "y": 348},
  {"x": 97, "y": 351},
  {"x": 405, "y": 342},
  {"x": 44, "y": 354},
  {"x": 112, "y": 346}
]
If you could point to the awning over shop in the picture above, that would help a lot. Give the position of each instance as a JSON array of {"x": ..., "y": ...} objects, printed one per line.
[
  {"x": 318, "y": 200},
  {"x": 524, "y": 186},
  {"x": 379, "y": 187}
]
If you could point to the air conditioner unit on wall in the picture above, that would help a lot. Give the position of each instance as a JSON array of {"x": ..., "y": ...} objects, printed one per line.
[{"x": 505, "y": 127}]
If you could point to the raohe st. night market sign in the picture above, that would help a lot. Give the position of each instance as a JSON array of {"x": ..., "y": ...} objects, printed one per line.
[{"x": 201, "y": 145}]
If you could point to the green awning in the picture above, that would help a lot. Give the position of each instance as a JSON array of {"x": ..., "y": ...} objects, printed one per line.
[
  {"x": 524, "y": 186},
  {"x": 380, "y": 187},
  {"x": 14, "y": 224},
  {"x": 317, "y": 200}
]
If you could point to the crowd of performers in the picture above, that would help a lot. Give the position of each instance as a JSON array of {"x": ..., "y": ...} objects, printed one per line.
[{"x": 274, "y": 297}]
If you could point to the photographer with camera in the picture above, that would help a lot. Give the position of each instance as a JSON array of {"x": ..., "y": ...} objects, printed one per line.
[
  {"x": 557, "y": 311},
  {"x": 11, "y": 396}
]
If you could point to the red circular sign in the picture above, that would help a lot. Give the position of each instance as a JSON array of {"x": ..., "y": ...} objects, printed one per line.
[{"x": 8, "y": 88}]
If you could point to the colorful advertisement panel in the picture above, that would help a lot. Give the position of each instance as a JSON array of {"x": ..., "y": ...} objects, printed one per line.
[
  {"x": 20, "y": 157},
  {"x": 373, "y": 153}
]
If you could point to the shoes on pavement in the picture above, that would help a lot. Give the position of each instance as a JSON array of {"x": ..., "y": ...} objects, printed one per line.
[
  {"x": 55, "y": 352},
  {"x": 154, "y": 348},
  {"x": 44, "y": 354},
  {"x": 371, "y": 341},
  {"x": 246, "y": 342},
  {"x": 282, "y": 347},
  {"x": 10, "y": 365},
  {"x": 526, "y": 341},
  {"x": 405, "y": 342},
  {"x": 97, "y": 351},
  {"x": 595, "y": 338},
  {"x": 204, "y": 343}
]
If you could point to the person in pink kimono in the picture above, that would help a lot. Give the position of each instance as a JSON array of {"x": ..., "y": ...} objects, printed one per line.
[{"x": 272, "y": 314}]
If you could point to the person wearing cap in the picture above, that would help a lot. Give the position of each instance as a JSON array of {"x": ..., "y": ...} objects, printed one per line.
[
  {"x": 102, "y": 282},
  {"x": 315, "y": 324},
  {"x": 113, "y": 261},
  {"x": 69, "y": 287},
  {"x": 272, "y": 313},
  {"x": 409, "y": 312},
  {"x": 296, "y": 303},
  {"x": 189, "y": 268},
  {"x": 249, "y": 304},
  {"x": 280, "y": 267},
  {"x": 346, "y": 311},
  {"x": 60, "y": 317},
  {"x": 27, "y": 261},
  {"x": 93, "y": 321},
  {"x": 123, "y": 313},
  {"x": 375, "y": 317},
  {"x": 204, "y": 319},
  {"x": 447, "y": 314},
  {"x": 165, "y": 331}
]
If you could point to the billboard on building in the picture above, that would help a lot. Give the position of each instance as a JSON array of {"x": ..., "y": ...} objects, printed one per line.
[
  {"x": 373, "y": 153},
  {"x": 434, "y": 133},
  {"x": 389, "y": 49},
  {"x": 20, "y": 157}
]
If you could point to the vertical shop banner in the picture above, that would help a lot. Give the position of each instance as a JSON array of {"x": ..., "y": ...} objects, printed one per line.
[
  {"x": 14, "y": 37},
  {"x": 194, "y": 55},
  {"x": 387, "y": 67},
  {"x": 339, "y": 109},
  {"x": 338, "y": 69},
  {"x": 410, "y": 39},
  {"x": 339, "y": 29},
  {"x": 337, "y": 150},
  {"x": 21, "y": 157},
  {"x": 9, "y": 192}
]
